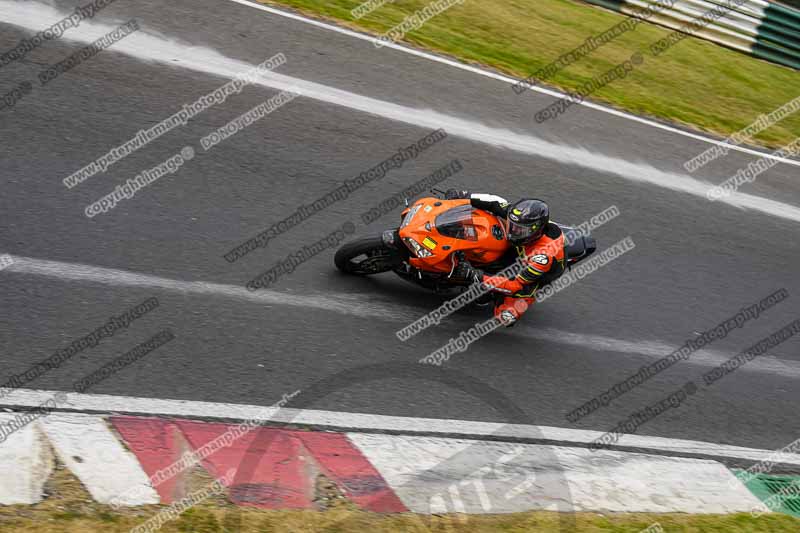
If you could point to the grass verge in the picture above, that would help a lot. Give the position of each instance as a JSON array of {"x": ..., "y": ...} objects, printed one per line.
[
  {"x": 69, "y": 508},
  {"x": 695, "y": 83},
  {"x": 207, "y": 519}
]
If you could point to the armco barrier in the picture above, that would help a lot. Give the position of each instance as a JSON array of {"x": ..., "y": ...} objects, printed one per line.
[{"x": 762, "y": 29}]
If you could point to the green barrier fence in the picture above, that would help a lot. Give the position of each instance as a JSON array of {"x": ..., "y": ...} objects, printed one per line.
[{"x": 763, "y": 29}]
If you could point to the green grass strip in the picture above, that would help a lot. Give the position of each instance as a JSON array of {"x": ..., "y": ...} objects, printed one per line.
[{"x": 695, "y": 83}]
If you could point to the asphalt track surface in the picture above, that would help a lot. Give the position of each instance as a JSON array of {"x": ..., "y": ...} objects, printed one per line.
[{"x": 695, "y": 264}]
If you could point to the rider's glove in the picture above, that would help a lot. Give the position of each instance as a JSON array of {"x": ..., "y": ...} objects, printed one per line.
[
  {"x": 464, "y": 272},
  {"x": 455, "y": 194}
]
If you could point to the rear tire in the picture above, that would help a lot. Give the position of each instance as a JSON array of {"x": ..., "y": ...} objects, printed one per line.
[{"x": 366, "y": 256}]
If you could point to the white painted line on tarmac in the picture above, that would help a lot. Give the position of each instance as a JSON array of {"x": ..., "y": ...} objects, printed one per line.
[
  {"x": 507, "y": 79},
  {"x": 155, "y": 48},
  {"x": 653, "y": 350},
  {"x": 103, "y": 403},
  {"x": 123, "y": 278},
  {"x": 349, "y": 304}
]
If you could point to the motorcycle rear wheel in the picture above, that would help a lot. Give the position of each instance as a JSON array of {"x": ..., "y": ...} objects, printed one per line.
[{"x": 366, "y": 256}]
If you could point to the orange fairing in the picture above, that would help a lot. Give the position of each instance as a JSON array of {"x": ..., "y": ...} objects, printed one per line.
[{"x": 438, "y": 228}]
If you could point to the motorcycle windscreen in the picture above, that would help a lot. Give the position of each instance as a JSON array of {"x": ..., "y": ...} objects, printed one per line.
[{"x": 457, "y": 223}]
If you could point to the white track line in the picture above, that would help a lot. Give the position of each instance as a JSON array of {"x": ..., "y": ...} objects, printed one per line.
[
  {"x": 102, "y": 403},
  {"x": 123, "y": 278},
  {"x": 155, "y": 48},
  {"x": 349, "y": 304},
  {"x": 507, "y": 79}
]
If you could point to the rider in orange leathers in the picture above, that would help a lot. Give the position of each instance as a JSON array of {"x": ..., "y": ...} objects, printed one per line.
[{"x": 538, "y": 250}]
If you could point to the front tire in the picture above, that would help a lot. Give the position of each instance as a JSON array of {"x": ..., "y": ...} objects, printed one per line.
[{"x": 366, "y": 256}]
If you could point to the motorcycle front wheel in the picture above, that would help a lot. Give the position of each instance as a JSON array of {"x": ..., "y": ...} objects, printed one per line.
[{"x": 367, "y": 256}]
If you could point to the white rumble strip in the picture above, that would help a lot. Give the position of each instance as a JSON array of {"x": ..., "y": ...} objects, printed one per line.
[
  {"x": 24, "y": 453},
  {"x": 334, "y": 420},
  {"x": 86, "y": 445},
  {"x": 429, "y": 474},
  {"x": 496, "y": 477}
]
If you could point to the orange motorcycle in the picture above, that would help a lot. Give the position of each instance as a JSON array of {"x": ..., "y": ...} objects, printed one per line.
[{"x": 435, "y": 234}]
